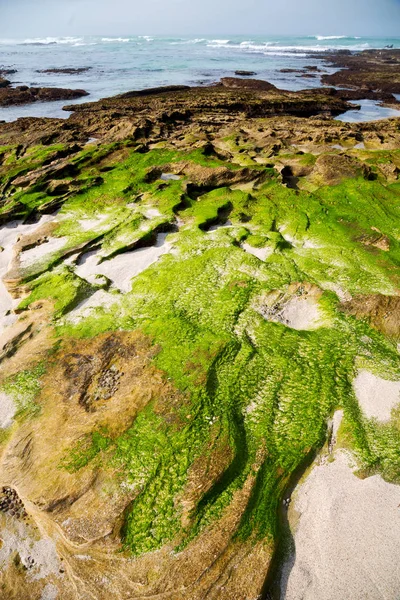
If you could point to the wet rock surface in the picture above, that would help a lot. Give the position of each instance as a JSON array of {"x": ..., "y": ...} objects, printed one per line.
[
  {"x": 23, "y": 94},
  {"x": 186, "y": 301},
  {"x": 367, "y": 70},
  {"x": 66, "y": 70}
]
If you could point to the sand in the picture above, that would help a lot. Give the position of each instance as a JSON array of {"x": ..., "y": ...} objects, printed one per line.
[
  {"x": 18, "y": 537},
  {"x": 300, "y": 313},
  {"x": 261, "y": 253},
  {"x": 50, "y": 592},
  {"x": 376, "y": 396},
  {"x": 9, "y": 235},
  {"x": 42, "y": 251},
  {"x": 7, "y": 410},
  {"x": 95, "y": 223},
  {"x": 100, "y": 299},
  {"x": 347, "y": 540},
  {"x": 219, "y": 226},
  {"x": 122, "y": 268}
]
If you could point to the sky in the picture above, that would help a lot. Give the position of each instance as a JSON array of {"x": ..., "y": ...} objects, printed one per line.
[{"x": 34, "y": 18}]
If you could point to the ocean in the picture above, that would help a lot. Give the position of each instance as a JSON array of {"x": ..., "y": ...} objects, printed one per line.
[{"x": 120, "y": 64}]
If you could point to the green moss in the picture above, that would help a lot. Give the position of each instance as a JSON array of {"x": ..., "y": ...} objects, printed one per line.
[
  {"x": 62, "y": 286},
  {"x": 24, "y": 387},
  {"x": 86, "y": 450},
  {"x": 261, "y": 389}
]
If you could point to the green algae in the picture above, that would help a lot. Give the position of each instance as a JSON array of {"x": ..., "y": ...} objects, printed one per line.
[
  {"x": 61, "y": 286},
  {"x": 24, "y": 388},
  {"x": 262, "y": 389}
]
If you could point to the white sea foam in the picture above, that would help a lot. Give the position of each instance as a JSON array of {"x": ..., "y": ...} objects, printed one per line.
[
  {"x": 330, "y": 37},
  {"x": 50, "y": 41},
  {"x": 115, "y": 40},
  {"x": 194, "y": 41}
]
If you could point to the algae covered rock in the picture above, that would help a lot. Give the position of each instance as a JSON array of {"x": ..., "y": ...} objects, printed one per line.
[
  {"x": 180, "y": 319},
  {"x": 331, "y": 169}
]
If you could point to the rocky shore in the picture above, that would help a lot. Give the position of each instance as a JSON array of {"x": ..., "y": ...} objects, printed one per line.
[
  {"x": 198, "y": 286},
  {"x": 22, "y": 94}
]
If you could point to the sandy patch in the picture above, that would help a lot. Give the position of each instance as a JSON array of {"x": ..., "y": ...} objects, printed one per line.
[
  {"x": 50, "y": 592},
  {"x": 299, "y": 312},
  {"x": 311, "y": 245},
  {"x": 40, "y": 252},
  {"x": 151, "y": 213},
  {"x": 7, "y": 410},
  {"x": 347, "y": 540},
  {"x": 219, "y": 226},
  {"x": 100, "y": 299},
  {"x": 376, "y": 396},
  {"x": 169, "y": 177},
  {"x": 261, "y": 253},
  {"x": 121, "y": 269},
  {"x": 89, "y": 224},
  {"x": 9, "y": 235},
  {"x": 343, "y": 295},
  {"x": 38, "y": 556}
]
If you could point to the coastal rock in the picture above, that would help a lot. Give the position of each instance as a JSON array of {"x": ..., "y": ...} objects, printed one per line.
[
  {"x": 248, "y": 84},
  {"x": 377, "y": 70},
  {"x": 245, "y": 73},
  {"x": 65, "y": 70},
  {"x": 25, "y": 95},
  {"x": 331, "y": 169},
  {"x": 4, "y": 83},
  {"x": 173, "y": 348}
]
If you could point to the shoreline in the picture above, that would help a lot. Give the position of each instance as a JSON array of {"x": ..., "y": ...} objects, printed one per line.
[
  {"x": 326, "y": 68},
  {"x": 202, "y": 290}
]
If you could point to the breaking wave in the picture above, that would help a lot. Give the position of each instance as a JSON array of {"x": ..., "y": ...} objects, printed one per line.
[{"x": 320, "y": 38}]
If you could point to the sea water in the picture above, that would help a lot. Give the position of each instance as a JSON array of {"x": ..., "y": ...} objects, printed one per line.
[{"x": 121, "y": 64}]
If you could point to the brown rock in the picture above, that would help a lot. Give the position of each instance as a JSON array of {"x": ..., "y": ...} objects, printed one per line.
[
  {"x": 65, "y": 71},
  {"x": 245, "y": 73},
  {"x": 250, "y": 84},
  {"x": 25, "y": 95},
  {"x": 331, "y": 169}
]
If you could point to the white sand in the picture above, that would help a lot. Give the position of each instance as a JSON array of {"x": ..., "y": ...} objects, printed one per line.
[
  {"x": 9, "y": 235},
  {"x": 169, "y": 177},
  {"x": 7, "y": 410},
  {"x": 50, "y": 592},
  {"x": 376, "y": 396},
  {"x": 121, "y": 269},
  {"x": 311, "y": 245},
  {"x": 100, "y": 299},
  {"x": 17, "y": 537},
  {"x": 95, "y": 223},
  {"x": 151, "y": 213},
  {"x": 261, "y": 253},
  {"x": 300, "y": 313},
  {"x": 347, "y": 540},
  {"x": 219, "y": 226},
  {"x": 43, "y": 251}
]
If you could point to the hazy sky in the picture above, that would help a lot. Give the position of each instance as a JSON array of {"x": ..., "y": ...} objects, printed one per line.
[{"x": 118, "y": 17}]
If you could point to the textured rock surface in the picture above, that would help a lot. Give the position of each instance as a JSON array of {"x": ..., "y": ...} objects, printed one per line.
[
  {"x": 10, "y": 96},
  {"x": 188, "y": 300}
]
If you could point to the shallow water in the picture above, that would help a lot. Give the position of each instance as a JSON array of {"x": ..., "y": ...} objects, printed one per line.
[
  {"x": 136, "y": 62},
  {"x": 370, "y": 111}
]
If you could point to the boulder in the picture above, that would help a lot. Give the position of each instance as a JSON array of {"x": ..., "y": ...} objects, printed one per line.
[
  {"x": 24, "y": 95},
  {"x": 65, "y": 71},
  {"x": 331, "y": 169},
  {"x": 251, "y": 84},
  {"x": 245, "y": 73}
]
